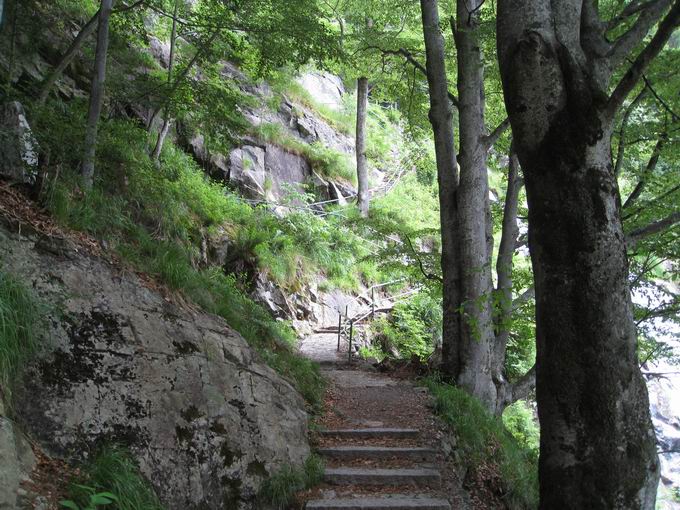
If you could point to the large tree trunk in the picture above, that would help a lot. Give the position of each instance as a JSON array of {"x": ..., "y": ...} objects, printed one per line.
[
  {"x": 96, "y": 94},
  {"x": 362, "y": 171},
  {"x": 598, "y": 449},
  {"x": 441, "y": 118},
  {"x": 477, "y": 328}
]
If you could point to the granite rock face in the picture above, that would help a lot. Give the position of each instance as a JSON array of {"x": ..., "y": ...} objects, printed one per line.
[{"x": 206, "y": 419}]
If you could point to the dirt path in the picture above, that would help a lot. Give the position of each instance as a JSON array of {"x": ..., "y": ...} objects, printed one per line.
[{"x": 383, "y": 446}]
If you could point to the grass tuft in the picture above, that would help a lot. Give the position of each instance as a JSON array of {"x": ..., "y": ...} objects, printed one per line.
[
  {"x": 114, "y": 470},
  {"x": 20, "y": 320},
  {"x": 483, "y": 440},
  {"x": 279, "y": 490}
]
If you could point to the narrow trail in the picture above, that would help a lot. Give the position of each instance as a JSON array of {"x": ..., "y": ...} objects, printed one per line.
[{"x": 383, "y": 447}]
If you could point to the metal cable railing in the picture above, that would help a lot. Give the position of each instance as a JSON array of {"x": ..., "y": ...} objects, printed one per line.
[{"x": 346, "y": 327}]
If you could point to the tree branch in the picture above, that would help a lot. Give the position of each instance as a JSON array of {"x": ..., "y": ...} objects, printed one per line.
[
  {"x": 70, "y": 53},
  {"x": 427, "y": 275},
  {"x": 525, "y": 296},
  {"x": 649, "y": 169},
  {"x": 650, "y": 13},
  {"x": 622, "y": 131},
  {"x": 489, "y": 140},
  {"x": 654, "y": 200},
  {"x": 414, "y": 62},
  {"x": 510, "y": 393},
  {"x": 634, "y": 73},
  {"x": 663, "y": 103},
  {"x": 651, "y": 229},
  {"x": 631, "y": 9}
]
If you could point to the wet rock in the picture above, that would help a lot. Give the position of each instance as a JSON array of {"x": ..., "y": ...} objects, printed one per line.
[{"x": 204, "y": 417}]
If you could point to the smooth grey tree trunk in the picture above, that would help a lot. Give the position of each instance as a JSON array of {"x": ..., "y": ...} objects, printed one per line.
[
  {"x": 477, "y": 331},
  {"x": 598, "y": 449},
  {"x": 441, "y": 118},
  {"x": 96, "y": 94},
  {"x": 362, "y": 171},
  {"x": 506, "y": 249}
]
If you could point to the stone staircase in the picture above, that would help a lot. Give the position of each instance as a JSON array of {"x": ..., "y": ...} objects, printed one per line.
[{"x": 378, "y": 469}]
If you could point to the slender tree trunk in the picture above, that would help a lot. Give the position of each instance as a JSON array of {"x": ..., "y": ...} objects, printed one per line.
[
  {"x": 441, "y": 118},
  {"x": 67, "y": 57},
  {"x": 506, "y": 251},
  {"x": 477, "y": 332},
  {"x": 166, "y": 121},
  {"x": 598, "y": 449},
  {"x": 96, "y": 94},
  {"x": 362, "y": 171}
]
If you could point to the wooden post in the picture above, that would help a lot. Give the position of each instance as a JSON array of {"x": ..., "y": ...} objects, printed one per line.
[
  {"x": 339, "y": 328},
  {"x": 351, "y": 332},
  {"x": 372, "y": 302}
]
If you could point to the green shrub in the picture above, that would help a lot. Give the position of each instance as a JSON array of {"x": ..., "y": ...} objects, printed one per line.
[
  {"x": 113, "y": 470},
  {"x": 483, "y": 439},
  {"x": 20, "y": 319},
  {"x": 519, "y": 419},
  {"x": 280, "y": 488},
  {"x": 413, "y": 327}
]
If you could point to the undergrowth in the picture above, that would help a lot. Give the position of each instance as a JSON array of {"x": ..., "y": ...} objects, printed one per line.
[
  {"x": 279, "y": 490},
  {"x": 114, "y": 471},
  {"x": 413, "y": 327},
  {"x": 20, "y": 319},
  {"x": 484, "y": 442}
]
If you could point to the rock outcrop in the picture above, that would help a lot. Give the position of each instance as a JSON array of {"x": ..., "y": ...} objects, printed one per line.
[
  {"x": 19, "y": 154},
  {"x": 267, "y": 171},
  {"x": 207, "y": 420}
]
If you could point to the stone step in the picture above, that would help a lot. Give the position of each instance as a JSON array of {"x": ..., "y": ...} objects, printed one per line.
[
  {"x": 360, "y": 476},
  {"x": 376, "y": 452},
  {"x": 385, "y": 503},
  {"x": 372, "y": 433}
]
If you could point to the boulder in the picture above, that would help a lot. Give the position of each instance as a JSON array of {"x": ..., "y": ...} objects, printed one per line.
[
  {"x": 19, "y": 155},
  {"x": 205, "y": 418}
]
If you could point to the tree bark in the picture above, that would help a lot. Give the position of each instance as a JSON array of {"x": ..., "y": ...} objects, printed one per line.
[
  {"x": 362, "y": 171},
  {"x": 477, "y": 327},
  {"x": 96, "y": 94},
  {"x": 598, "y": 447},
  {"x": 441, "y": 118}
]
